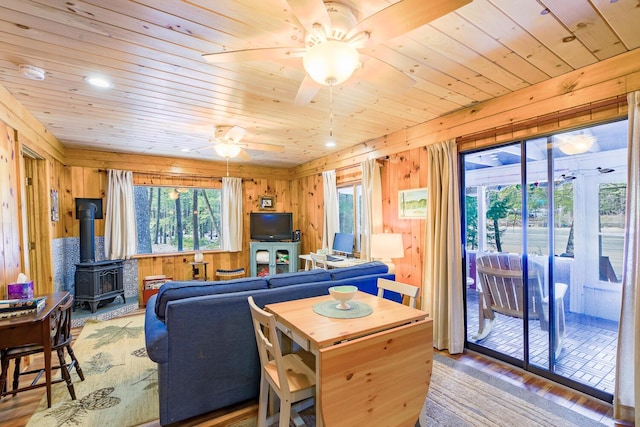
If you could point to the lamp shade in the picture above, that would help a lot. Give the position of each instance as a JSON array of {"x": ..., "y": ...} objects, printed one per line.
[
  {"x": 227, "y": 149},
  {"x": 386, "y": 246},
  {"x": 331, "y": 62}
]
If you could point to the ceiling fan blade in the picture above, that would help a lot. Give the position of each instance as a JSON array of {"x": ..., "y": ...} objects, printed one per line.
[
  {"x": 235, "y": 134},
  {"x": 307, "y": 90},
  {"x": 310, "y": 12},
  {"x": 248, "y": 55},
  {"x": 257, "y": 146},
  {"x": 402, "y": 17},
  {"x": 377, "y": 71}
]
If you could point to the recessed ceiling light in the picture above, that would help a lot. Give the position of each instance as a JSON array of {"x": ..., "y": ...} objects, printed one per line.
[
  {"x": 330, "y": 144},
  {"x": 31, "y": 72},
  {"x": 98, "y": 81},
  {"x": 185, "y": 150}
]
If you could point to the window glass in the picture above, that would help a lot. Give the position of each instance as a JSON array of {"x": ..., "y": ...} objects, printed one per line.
[
  {"x": 612, "y": 213},
  {"x": 177, "y": 219},
  {"x": 350, "y": 211}
]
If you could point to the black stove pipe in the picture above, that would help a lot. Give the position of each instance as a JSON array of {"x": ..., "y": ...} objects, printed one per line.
[{"x": 86, "y": 214}]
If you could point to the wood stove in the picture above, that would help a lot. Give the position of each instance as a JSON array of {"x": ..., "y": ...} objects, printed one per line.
[{"x": 98, "y": 283}]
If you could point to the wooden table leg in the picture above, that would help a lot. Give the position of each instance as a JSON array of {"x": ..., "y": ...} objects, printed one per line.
[{"x": 46, "y": 345}]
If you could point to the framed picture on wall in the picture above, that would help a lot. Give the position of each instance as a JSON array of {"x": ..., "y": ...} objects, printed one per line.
[
  {"x": 55, "y": 215},
  {"x": 267, "y": 203},
  {"x": 412, "y": 203}
]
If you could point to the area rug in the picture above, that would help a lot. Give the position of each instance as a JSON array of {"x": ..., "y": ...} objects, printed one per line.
[
  {"x": 462, "y": 396},
  {"x": 120, "y": 386}
]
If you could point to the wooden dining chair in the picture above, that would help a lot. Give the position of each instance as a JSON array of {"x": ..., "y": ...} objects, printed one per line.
[
  {"x": 403, "y": 289},
  {"x": 285, "y": 375},
  {"x": 60, "y": 342},
  {"x": 318, "y": 261}
]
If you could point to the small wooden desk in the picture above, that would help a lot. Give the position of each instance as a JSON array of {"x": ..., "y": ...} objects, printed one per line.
[
  {"x": 195, "y": 270},
  {"x": 372, "y": 370},
  {"x": 33, "y": 329}
]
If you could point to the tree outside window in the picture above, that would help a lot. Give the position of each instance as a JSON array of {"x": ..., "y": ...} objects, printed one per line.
[{"x": 177, "y": 219}]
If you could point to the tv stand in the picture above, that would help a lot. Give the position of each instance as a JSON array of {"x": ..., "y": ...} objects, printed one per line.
[{"x": 273, "y": 257}]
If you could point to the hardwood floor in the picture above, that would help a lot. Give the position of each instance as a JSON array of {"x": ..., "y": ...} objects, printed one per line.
[{"x": 16, "y": 411}]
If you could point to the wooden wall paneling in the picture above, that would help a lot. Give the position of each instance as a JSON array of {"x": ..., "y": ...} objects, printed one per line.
[
  {"x": 402, "y": 171},
  {"x": 15, "y": 115},
  {"x": 167, "y": 166},
  {"x": 76, "y": 190},
  {"x": 10, "y": 246},
  {"x": 310, "y": 194},
  {"x": 95, "y": 186},
  {"x": 67, "y": 204}
]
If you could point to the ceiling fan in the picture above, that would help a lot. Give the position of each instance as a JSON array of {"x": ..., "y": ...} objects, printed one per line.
[
  {"x": 337, "y": 45},
  {"x": 226, "y": 143}
]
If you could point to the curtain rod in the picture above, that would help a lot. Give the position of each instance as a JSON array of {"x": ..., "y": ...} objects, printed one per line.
[
  {"x": 541, "y": 120},
  {"x": 174, "y": 175}
]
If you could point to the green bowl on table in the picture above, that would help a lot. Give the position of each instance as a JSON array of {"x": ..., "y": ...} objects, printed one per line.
[{"x": 343, "y": 294}]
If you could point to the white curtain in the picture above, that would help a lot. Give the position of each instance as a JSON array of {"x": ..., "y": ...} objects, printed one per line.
[
  {"x": 442, "y": 285},
  {"x": 231, "y": 214},
  {"x": 331, "y": 221},
  {"x": 627, "y": 392},
  {"x": 371, "y": 205},
  {"x": 120, "y": 235}
]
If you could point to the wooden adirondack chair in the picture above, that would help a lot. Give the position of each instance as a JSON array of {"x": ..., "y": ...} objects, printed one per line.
[{"x": 500, "y": 290}]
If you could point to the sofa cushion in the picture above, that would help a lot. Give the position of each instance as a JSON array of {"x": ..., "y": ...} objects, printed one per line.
[
  {"x": 286, "y": 279},
  {"x": 172, "y": 291},
  {"x": 368, "y": 268}
]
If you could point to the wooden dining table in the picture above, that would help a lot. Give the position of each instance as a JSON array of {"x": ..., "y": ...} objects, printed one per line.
[
  {"x": 370, "y": 370},
  {"x": 33, "y": 329}
]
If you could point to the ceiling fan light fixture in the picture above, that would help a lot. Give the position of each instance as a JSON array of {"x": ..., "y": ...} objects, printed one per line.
[
  {"x": 31, "y": 72},
  {"x": 331, "y": 62},
  {"x": 228, "y": 150},
  {"x": 576, "y": 143}
]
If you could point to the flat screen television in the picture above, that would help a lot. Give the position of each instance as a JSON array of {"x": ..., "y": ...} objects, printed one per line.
[
  {"x": 270, "y": 226},
  {"x": 342, "y": 243},
  {"x": 91, "y": 204}
]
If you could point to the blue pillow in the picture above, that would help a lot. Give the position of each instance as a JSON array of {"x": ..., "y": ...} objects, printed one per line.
[
  {"x": 172, "y": 291},
  {"x": 374, "y": 267},
  {"x": 286, "y": 279}
]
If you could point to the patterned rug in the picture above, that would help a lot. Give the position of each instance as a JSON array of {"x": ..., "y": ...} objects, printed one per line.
[
  {"x": 120, "y": 386},
  {"x": 461, "y": 396}
]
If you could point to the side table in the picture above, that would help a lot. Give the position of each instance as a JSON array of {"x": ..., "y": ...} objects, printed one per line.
[{"x": 195, "y": 270}]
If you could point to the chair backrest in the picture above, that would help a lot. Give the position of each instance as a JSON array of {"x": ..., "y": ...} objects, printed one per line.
[
  {"x": 318, "y": 260},
  {"x": 61, "y": 324},
  {"x": 230, "y": 274},
  {"x": 500, "y": 277},
  {"x": 400, "y": 288},
  {"x": 264, "y": 325}
]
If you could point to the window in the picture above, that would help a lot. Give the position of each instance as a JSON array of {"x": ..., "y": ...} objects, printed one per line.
[
  {"x": 350, "y": 211},
  {"x": 177, "y": 219}
]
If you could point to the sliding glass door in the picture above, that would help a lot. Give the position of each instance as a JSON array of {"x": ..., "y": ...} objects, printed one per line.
[{"x": 544, "y": 232}]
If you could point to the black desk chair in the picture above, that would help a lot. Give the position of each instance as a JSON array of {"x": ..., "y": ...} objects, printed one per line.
[{"x": 60, "y": 340}]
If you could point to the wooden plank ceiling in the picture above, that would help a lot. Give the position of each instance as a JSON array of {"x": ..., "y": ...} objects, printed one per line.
[{"x": 166, "y": 97}]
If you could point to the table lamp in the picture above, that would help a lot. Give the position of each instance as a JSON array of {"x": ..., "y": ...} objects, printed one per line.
[{"x": 385, "y": 246}]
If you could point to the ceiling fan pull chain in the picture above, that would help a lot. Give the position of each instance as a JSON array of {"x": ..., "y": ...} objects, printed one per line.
[{"x": 331, "y": 110}]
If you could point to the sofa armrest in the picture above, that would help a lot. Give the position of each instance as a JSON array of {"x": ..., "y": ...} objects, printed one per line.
[{"x": 155, "y": 334}]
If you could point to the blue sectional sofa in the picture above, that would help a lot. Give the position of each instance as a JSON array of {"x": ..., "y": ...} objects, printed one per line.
[{"x": 201, "y": 336}]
